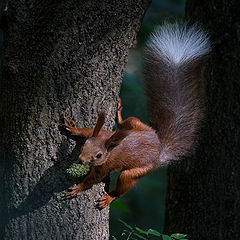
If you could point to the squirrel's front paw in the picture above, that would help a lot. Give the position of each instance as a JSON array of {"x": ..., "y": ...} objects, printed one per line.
[
  {"x": 105, "y": 201},
  {"x": 76, "y": 190},
  {"x": 70, "y": 126}
]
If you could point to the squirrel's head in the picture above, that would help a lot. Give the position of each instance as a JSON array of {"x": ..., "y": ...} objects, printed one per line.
[
  {"x": 94, "y": 150},
  {"x": 97, "y": 147}
]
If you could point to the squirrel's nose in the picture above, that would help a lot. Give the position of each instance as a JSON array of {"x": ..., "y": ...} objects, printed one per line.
[
  {"x": 84, "y": 159},
  {"x": 81, "y": 159}
]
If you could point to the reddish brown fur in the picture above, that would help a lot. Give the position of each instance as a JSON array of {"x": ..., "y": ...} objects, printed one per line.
[
  {"x": 139, "y": 157},
  {"x": 131, "y": 123},
  {"x": 99, "y": 124},
  {"x": 175, "y": 103}
]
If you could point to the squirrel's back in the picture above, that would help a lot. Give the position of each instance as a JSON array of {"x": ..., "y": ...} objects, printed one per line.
[{"x": 174, "y": 86}]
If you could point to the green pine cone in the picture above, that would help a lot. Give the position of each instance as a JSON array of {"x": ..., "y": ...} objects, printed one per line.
[{"x": 77, "y": 170}]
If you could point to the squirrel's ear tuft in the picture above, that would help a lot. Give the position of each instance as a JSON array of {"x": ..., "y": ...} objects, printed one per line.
[
  {"x": 99, "y": 124},
  {"x": 115, "y": 139}
]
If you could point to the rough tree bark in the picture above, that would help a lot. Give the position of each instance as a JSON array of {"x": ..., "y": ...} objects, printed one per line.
[
  {"x": 60, "y": 58},
  {"x": 203, "y": 197}
]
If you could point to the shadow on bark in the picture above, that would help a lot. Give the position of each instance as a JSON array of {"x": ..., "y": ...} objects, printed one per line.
[{"x": 53, "y": 180}]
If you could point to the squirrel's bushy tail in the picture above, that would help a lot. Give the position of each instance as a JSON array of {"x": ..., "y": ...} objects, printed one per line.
[{"x": 174, "y": 86}]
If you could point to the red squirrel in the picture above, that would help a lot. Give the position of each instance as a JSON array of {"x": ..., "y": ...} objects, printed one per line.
[{"x": 173, "y": 72}]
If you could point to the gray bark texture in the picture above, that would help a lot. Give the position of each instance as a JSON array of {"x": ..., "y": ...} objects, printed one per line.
[
  {"x": 203, "y": 196},
  {"x": 60, "y": 58}
]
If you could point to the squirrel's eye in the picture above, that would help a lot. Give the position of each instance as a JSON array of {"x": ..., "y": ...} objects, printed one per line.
[{"x": 98, "y": 155}]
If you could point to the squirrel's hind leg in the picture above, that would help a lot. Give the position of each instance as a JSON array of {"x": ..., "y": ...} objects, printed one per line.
[
  {"x": 131, "y": 123},
  {"x": 126, "y": 180},
  {"x": 119, "y": 112}
]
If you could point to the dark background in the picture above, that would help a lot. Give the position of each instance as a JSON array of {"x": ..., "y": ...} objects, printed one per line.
[{"x": 144, "y": 205}]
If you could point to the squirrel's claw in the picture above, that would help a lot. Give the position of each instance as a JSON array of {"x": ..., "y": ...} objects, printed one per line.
[
  {"x": 70, "y": 125},
  {"x": 76, "y": 190},
  {"x": 105, "y": 201}
]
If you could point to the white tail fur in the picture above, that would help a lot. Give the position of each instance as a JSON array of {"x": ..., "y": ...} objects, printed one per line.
[
  {"x": 179, "y": 43},
  {"x": 173, "y": 78}
]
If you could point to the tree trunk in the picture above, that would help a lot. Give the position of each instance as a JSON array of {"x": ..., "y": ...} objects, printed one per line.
[
  {"x": 203, "y": 196},
  {"x": 60, "y": 58}
]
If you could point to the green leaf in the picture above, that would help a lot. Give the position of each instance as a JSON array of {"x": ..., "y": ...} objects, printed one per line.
[
  {"x": 178, "y": 235},
  {"x": 166, "y": 237},
  {"x": 125, "y": 224},
  {"x": 141, "y": 231},
  {"x": 114, "y": 238},
  {"x": 120, "y": 205},
  {"x": 140, "y": 236},
  {"x": 154, "y": 232}
]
